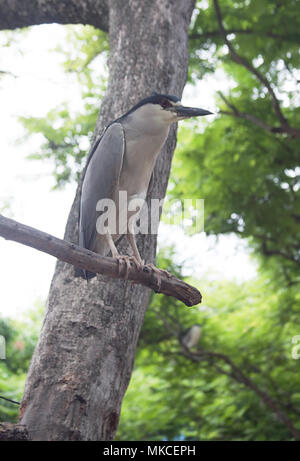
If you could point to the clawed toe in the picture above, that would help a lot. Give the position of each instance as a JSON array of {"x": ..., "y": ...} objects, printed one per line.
[
  {"x": 127, "y": 260},
  {"x": 164, "y": 271},
  {"x": 158, "y": 273},
  {"x": 140, "y": 265}
]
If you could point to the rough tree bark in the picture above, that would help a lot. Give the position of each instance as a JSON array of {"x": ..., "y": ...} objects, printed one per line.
[
  {"x": 22, "y": 13},
  {"x": 84, "y": 358},
  {"x": 12, "y": 432}
]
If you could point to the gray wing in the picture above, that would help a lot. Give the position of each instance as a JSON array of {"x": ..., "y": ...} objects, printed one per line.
[
  {"x": 151, "y": 183},
  {"x": 100, "y": 181}
]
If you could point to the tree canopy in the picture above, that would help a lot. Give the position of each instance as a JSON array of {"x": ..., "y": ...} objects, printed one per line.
[{"x": 240, "y": 382}]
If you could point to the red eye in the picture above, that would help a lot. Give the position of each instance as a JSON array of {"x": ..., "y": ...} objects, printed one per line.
[{"x": 165, "y": 103}]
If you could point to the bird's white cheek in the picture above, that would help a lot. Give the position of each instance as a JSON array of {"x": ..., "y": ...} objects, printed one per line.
[{"x": 169, "y": 117}]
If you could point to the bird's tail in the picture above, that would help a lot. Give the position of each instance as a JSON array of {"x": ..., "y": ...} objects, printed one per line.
[
  {"x": 103, "y": 250},
  {"x": 84, "y": 274}
]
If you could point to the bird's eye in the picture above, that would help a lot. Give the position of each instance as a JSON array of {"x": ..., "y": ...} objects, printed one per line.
[{"x": 165, "y": 103}]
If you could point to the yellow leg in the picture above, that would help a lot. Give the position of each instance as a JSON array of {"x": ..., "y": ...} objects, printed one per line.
[{"x": 125, "y": 258}]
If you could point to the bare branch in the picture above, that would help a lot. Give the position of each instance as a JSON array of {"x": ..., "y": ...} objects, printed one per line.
[
  {"x": 252, "y": 118},
  {"x": 237, "y": 374},
  {"x": 275, "y": 252},
  {"x": 22, "y": 13},
  {"x": 85, "y": 259},
  {"x": 260, "y": 33}
]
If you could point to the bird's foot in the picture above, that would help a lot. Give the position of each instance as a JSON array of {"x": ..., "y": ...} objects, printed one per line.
[
  {"x": 158, "y": 273},
  {"x": 164, "y": 271},
  {"x": 138, "y": 262},
  {"x": 127, "y": 260}
]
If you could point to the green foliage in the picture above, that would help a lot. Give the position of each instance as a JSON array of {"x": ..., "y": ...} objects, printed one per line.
[
  {"x": 83, "y": 45},
  {"x": 257, "y": 28},
  {"x": 249, "y": 182},
  {"x": 67, "y": 134},
  {"x": 67, "y": 139},
  {"x": 5, "y": 205},
  {"x": 247, "y": 170},
  {"x": 177, "y": 398},
  {"x": 20, "y": 339},
  {"x": 248, "y": 174}
]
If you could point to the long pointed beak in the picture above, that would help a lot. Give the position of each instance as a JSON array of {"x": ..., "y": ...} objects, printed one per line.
[{"x": 187, "y": 112}]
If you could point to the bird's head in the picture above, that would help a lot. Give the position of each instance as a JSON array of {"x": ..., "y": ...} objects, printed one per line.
[{"x": 165, "y": 109}]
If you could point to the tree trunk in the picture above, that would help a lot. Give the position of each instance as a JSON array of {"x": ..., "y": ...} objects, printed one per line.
[
  {"x": 11, "y": 432},
  {"x": 84, "y": 358}
]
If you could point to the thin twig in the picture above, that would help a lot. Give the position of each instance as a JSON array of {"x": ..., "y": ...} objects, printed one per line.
[
  {"x": 260, "y": 33},
  {"x": 245, "y": 63},
  {"x": 252, "y": 118},
  {"x": 9, "y": 400}
]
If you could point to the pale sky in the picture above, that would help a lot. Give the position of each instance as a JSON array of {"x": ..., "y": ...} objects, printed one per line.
[{"x": 40, "y": 85}]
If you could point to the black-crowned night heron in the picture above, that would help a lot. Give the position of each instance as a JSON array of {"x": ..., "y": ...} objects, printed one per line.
[{"x": 122, "y": 161}]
